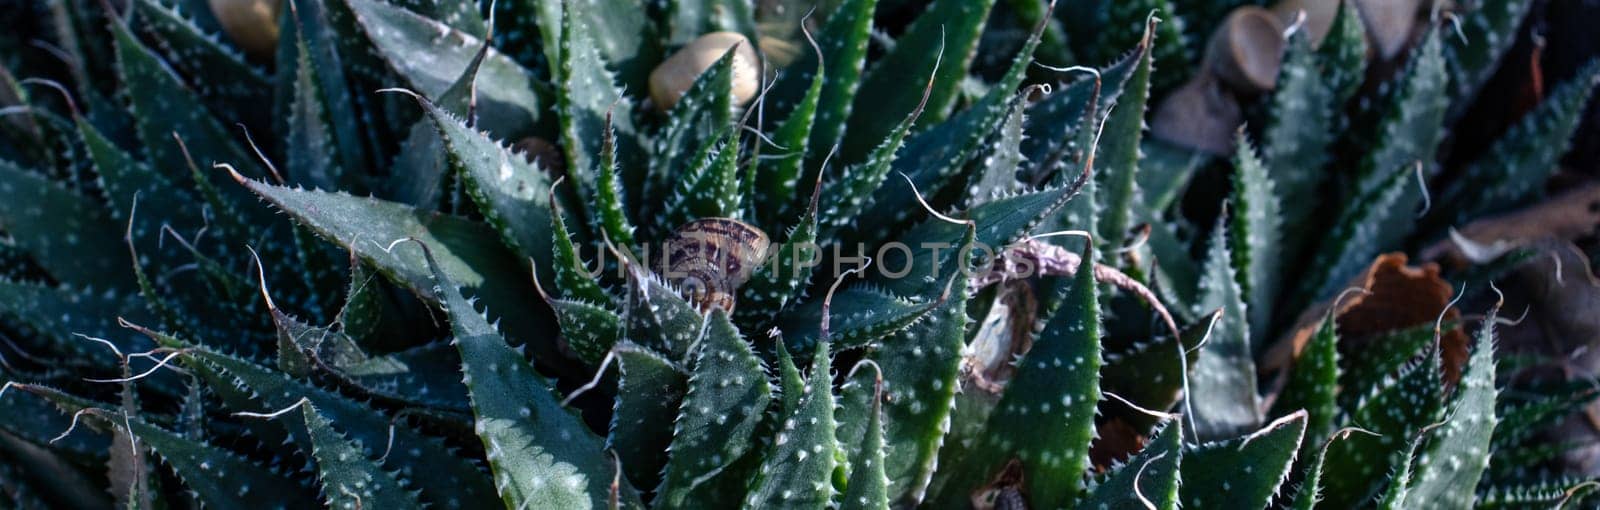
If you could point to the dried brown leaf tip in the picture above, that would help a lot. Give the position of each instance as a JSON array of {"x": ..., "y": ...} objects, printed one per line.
[{"x": 1568, "y": 216}]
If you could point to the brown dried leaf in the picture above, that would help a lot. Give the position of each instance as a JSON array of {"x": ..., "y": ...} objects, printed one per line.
[
  {"x": 1392, "y": 296},
  {"x": 1567, "y": 216}
]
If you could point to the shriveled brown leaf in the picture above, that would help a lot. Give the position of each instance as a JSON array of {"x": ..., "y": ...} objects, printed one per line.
[
  {"x": 1561, "y": 297},
  {"x": 1005, "y": 334},
  {"x": 1567, "y": 216},
  {"x": 1392, "y": 295},
  {"x": 1557, "y": 298}
]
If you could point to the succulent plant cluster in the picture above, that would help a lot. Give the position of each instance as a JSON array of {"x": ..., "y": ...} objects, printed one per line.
[{"x": 714, "y": 253}]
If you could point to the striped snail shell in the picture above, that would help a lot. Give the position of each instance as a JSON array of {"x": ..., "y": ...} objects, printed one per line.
[
  {"x": 252, "y": 24},
  {"x": 709, "y": 258}
]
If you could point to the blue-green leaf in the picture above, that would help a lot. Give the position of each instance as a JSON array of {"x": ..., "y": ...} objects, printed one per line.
[
  {"x": 1223, "y": 384},
  {"x": 861, "y": 436},
  {"x": 541, "y": 453},
  {"x": 714, "y": 439},
  {"x": 468, "y": 252},
  {"x": 1355, "y": 468},
  {"x": 843, "y": 41},
  {"x": 1517, "y": 165},
  {"x": 203, "y": 58},
  {"x": 1045, "y": 418},
  {"x": 348, "y": 478},
  {"x": 1118, "y": 157},
  {"x": 586, "y": 91},
  {"x": 1295, "y": 144},
  {"x": 445, "y": 479},
  {"x": 66, "y": 233},
  {"x": 1256, "y": 238},
  {"x": 511, "y": 193},
  {"x": 649, "y": 391},
  {"x": 799, "y": 465},
  {"x": 510, "y": 102},
  {"x": 221, "y": 479},
  {"x": 1313, "y": 384},
  {"x": 943, "y": 38},
  {"x": 1488, "y": 30},
  {"x": 1155, "y": 471},
  {"x": 1244, "y": 472},
  {"x": 1450, "y": 466}
]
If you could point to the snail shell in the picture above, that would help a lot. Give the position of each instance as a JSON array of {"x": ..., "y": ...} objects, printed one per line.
[
  {"x": 710, "y": 258},
  {"x": 1247, "y": 49},
  {"x": 252, "y": 24},
  {"x": 673, "y": 77}
]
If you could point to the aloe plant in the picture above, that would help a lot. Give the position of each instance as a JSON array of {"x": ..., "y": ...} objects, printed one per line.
[{"x": 422, "y": 255}]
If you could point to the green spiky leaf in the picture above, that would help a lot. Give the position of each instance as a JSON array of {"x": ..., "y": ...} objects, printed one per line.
[
  {"x": 649, "y": 391},
  {"x": 589, "y": 329},
  {"x": 221, "y": 479},
  {"x": 1412, "y": 126},
  {"x": 1354, "y": 469},
  {"x": 65, "y": 232},
  {"x": 942, "y": 39},
  {"x": 1155, "y": 470},
  {"x": 510, "y": 191},
  {"x": 1487, "y": 32},
  {"x": 541, "y": 453},
  {"x": 1045, "y": 418},
  {"x": 1517, "y": 165},
  {"x": 1223, "y": 384},
  {"x": 935, "y": 156},
  {"x": 1150, "y": 374},
  {"x": 444, "y": 478},
  {"x": 1450, "y": 466},
  {"x": 348, "y": 478},
  {"x": 776, "y": 179},
  {"x": 1357, "y": 236},
  {"x": 861, "y": 436},
  {"x": 1313, "y": 383},
  {"x": 468, "y": 252},
  {"x": 921, "y": 366},
  {"x": 164, "y": 107},
  {"x": 1124, "y": 20},
  {"x": 843, "y": 41},
  {"x": 699, "y": 121},
  {"x": 1117, "y": 161},
  {"x": 713, "y": 439},
  {"x": 1244, "y": 472},
  {"x": 587, "y": 90},
  {"x": 1256, "y": 238},
  {"x": 660, "y": 318},
  {"x": 859, "y": 315},
  {"x": 1343, "y": 53},
  {"x": 1296, "y": 142},
  {"x": 777, "y": 283},
  {"x": 509, "y": 101},
  {"x": 799, "y": 465},
  {"x": 198, "y": 55}
]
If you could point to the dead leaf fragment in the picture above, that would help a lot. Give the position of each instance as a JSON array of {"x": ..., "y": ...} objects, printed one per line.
[{"x": 1392, "y": 295}]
